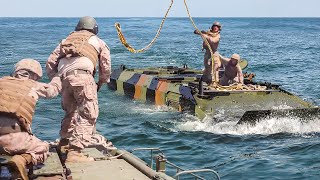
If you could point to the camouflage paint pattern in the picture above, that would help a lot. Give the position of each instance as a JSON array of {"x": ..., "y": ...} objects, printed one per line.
[{"x": 179, "y": 88}]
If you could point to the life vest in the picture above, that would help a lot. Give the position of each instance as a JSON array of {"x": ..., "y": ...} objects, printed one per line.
[
  {"x": 77, "y": 45},
  {"x": 15, "y": 100}
]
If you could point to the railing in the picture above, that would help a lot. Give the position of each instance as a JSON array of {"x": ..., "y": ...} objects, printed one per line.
[
  {"x": 151, "y": 153},
  {"x": 161, "y": 161},
  {"x": 195, "y": 171},
  {"x": 179, "y": 169}
]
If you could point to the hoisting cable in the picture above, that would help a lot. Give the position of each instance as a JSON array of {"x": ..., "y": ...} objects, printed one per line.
[
  {"x": 204, "y": 39},
  {"x": 129, "y": 47}
]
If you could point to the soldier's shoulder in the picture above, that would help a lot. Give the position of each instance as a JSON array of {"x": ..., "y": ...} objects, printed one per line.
[
  {"x": 103, "y": 43},
  {"x": 98, "y": 43},
  {"x": 5, "y": 77}
]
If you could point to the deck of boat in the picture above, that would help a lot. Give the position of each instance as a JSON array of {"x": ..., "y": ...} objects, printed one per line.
[{"x": 104, "y": 166}]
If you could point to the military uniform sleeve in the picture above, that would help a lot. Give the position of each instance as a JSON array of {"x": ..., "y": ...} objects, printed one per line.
[
  {"x": 49, "y": 90},
  {"x": 104, "y": 63},
  {"x": 52, "y": 63}
]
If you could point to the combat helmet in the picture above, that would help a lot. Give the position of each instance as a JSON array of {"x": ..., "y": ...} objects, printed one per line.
[
  {"x": 218, "y": 24},
  {"x": 29, "y": 65},
  {"x": 87, "y": 23}
]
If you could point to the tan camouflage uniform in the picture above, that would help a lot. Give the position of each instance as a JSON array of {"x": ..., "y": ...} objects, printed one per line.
[
  {"x": 79, "y": 93},
  {"x": 20, "y": 142}
]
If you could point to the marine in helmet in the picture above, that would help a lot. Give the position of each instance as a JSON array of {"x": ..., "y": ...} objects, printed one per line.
[
  {"x": 213, "y": 38},
  {"x": 232, "y": 70},
  {"x": 19, "y": 94},
  {"x": 76, "y": 59}
]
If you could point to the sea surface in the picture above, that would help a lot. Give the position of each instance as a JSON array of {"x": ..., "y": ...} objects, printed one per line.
[{"x": 284, "y": 51}]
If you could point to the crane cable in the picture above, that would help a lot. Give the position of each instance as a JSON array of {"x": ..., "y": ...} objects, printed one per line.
[{"x": 129, "y": 47}]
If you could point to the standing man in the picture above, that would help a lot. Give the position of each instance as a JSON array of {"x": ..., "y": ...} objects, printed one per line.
[
  {"x": 232, "y": 70},
  {"x": 19, "y": 95},
  {"x": 76, "y": 59},
  {"x": 213, "y": 38}
]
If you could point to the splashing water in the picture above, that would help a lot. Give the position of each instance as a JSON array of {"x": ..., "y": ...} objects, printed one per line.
[
  {"x": 265, "y": 126},
  {"x": 275, "y": 55}
]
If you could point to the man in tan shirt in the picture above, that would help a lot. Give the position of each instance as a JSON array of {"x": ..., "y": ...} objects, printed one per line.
[
  {"x": 213, "y": 38},
  {"x": 75, "y": 59},
  {"x": 232, "y": 70},
  {"x": 19, "y": 95}
]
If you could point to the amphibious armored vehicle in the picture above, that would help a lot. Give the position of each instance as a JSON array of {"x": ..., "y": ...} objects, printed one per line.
[
  {"x": 111, "y": 165},
  {"x": 182, "y": 88}
]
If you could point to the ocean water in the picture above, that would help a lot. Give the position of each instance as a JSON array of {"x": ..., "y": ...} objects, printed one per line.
[{"x": 284, "y": 51}]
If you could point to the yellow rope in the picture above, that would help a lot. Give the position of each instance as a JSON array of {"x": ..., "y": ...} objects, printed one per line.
[
  {"x": 204, "y": 39},
  {"x": 129, "y": 47},
  {"x": 215, "y": 85},
  {"x": 241, "y": 87}
]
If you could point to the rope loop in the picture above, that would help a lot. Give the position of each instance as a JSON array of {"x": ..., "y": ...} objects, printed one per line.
[{"x": 129, "y": 47}]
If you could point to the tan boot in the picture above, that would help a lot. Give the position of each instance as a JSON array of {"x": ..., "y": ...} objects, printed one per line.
[
  {"x": 17, "y": 166},
  {"x": 76, "y": 156}
]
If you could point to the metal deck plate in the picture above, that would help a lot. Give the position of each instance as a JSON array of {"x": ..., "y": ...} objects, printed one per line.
[
  {"x": 93, "y": 152},
  {"x": 52, "y": 166},
  {"x": 117, "y": 169}
]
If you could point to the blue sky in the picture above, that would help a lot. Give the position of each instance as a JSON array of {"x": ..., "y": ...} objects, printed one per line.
[{"x": 157, "y": 8}]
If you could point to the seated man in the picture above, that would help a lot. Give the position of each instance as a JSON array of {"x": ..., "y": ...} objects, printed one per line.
[
  {"x": 232, "y": 70},
  {"x": 19, "y": 95}
]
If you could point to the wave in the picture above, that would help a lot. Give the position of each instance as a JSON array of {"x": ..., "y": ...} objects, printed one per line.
[{"x": 265, "y": 126}]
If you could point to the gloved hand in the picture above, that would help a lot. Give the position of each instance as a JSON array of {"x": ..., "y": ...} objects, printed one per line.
[{"x": 196, "y": 32}]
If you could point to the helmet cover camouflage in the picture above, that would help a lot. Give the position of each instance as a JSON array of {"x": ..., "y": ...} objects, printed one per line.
[{"x": 30, "y": 65}]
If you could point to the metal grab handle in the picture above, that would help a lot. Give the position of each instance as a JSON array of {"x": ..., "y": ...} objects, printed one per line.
[
  {"x": 141, "y": 149},
  {"x": 196, "y": 171},
  {"x": 151, "y": 153}
]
